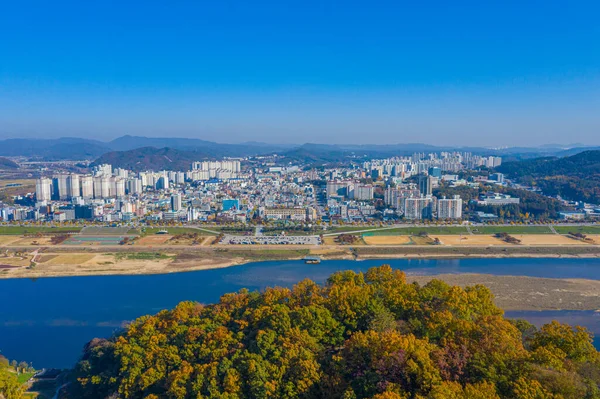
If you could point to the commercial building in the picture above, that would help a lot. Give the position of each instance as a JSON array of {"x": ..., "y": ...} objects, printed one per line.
[
  {"x": 290, "y": 213},
  {"x": 231, "y": 204},
  {"x": 497, "y": 199}
]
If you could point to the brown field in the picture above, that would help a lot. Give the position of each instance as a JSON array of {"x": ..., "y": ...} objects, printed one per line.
[
  {"x": 595, "y": 238},
  {"x": 33, "y": 241},
  {"x": 189, "y": 241},
  {"x": 70, "y": 259},
  {"x": 158, "y": 239},
  {"x": 329, "y": 240},
  {"x": 386, "y": 240},
  {"x": 15, "y": 261},
  {"x": 8, "y": 240},
  {"x": 417, "y": 240},
  {"x": 469, "y": 240},
  {"x": 546, "y": 239},
  {"x": 330, "y": 251},
  {"x": 23, "y": 182}
]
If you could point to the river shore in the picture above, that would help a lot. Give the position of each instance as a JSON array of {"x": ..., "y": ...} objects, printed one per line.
[
  {"x": 64, "y": 261},
  {"x": 512, "y": 293}
]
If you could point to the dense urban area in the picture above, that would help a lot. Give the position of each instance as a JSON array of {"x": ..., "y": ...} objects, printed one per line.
[{"x": 441, "y": 187}]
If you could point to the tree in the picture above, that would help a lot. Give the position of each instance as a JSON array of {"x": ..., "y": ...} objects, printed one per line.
[{"x": 359, "y": 336}]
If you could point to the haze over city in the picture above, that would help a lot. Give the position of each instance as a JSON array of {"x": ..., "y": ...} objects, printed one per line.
[{"x": 503, "y": 74}]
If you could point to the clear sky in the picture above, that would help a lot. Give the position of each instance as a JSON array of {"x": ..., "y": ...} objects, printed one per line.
[{"x": 441, "y": 72}]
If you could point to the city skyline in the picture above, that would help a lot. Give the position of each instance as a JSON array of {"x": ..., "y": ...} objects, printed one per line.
[{"x": 229, "y": 72}]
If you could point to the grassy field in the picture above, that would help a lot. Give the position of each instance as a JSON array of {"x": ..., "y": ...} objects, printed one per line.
[
  {"x": 344, "y": 229},
  {"x": 173, "y": 230},
  {"x": 20, "y": 230},
  {"x": 24, "y": 377},
  {"x": 511, "y": 229},
  {"x": 140, "y": 256},
  {"x": 578, "y": 229},
  {"x": 21, "y": 183},
  {"x": 443, "y": 230}
]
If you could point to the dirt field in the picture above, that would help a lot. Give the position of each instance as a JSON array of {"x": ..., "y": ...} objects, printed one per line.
[
  {"x": 33, "y": 241},
  {"x": 8, "y": 240},
  {"x": 595, "y": 238},
  {"x": 469, "y": 240},
  {"x": 153, "y": 239},
  {"x": 199, "y": 240},
  {"x": 329, "y": 240},
  {"x": 70, "y": 259},
  {"x": 81, "y": 264},
  {"x": 387, "y": 240},
  {"x": 418, "y": 240},
  {"x": 15, "y": 261},
  {"x": 547, "y": 239}
]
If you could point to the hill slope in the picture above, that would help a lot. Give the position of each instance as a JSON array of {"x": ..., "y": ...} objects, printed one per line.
[
  {"x": 53, "y": 149},
  {"x": 576, "y": 177},
  {"x": 126, "y": 143},
  {"x": 150, "y": 158},
  {"x": 6, "y": 163},
  {"x": 360, "y": 336}
]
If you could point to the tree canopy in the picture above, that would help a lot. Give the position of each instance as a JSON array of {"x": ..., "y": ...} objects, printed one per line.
[
  {"x": 360, "y": 335},
  {"x": 10, "y": 388}
]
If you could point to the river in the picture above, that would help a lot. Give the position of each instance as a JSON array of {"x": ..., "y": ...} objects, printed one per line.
[{"x": 47, "y": 321}]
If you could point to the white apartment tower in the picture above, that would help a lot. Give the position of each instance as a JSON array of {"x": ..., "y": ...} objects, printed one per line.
[
  {"x": 450, "y": 208},
  {"x": 87, "y": 187},
  {"x": 43, "y": 190}
]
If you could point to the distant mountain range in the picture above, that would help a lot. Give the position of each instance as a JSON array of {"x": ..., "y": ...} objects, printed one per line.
[
  {"x": 86, "y": 149},
  {"x": 150, "y": 158}
]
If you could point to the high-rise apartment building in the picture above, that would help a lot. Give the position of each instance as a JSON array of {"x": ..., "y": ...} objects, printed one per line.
[
  {"x": 425, "y": 185},
  {"x": 73, "y": 186},
  {"x": 450, "y": 208},
  {"x": 363, "y": 192},
  {"x": 418, "y": 208},
  {"x": 87, "y": 187},
  {"x": 60, "y": 187},
  {"x": 43, "y": 191},
  {"x": 176, "y": 202}
]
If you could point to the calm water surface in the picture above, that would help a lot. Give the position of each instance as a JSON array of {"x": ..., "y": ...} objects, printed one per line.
[{"x": 47, "y": 321}]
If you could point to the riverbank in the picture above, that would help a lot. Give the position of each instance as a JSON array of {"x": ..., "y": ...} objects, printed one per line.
[{"x": 65, "y": 261}]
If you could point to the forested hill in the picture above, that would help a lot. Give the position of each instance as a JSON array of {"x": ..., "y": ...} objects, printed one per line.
[
  {"x": 587, "y": 162},
  {"x": 6, "y": 163},
  {"x": 359, "y": 336},
  {"x": 150, "y": 158},
  {"x": 576, "y": 177}
]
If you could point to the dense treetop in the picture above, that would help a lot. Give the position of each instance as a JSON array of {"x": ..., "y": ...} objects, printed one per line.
[
  {"x": 10, "y": 388},
  {"x": 368, "y": 335}
]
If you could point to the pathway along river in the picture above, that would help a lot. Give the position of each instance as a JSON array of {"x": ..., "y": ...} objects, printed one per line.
[{"x": 47, "y": 321}]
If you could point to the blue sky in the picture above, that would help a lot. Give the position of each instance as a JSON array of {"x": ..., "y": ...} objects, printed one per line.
[{"x": 478, "y": 72}]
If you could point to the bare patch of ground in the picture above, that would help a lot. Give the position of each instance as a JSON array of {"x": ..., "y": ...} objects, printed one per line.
[
  {"x": 157, "y": 239},
  {"x": 546, "y": 239},
  {"x": 484, "y": 240},
  {"x": 387, "y": 240}
]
